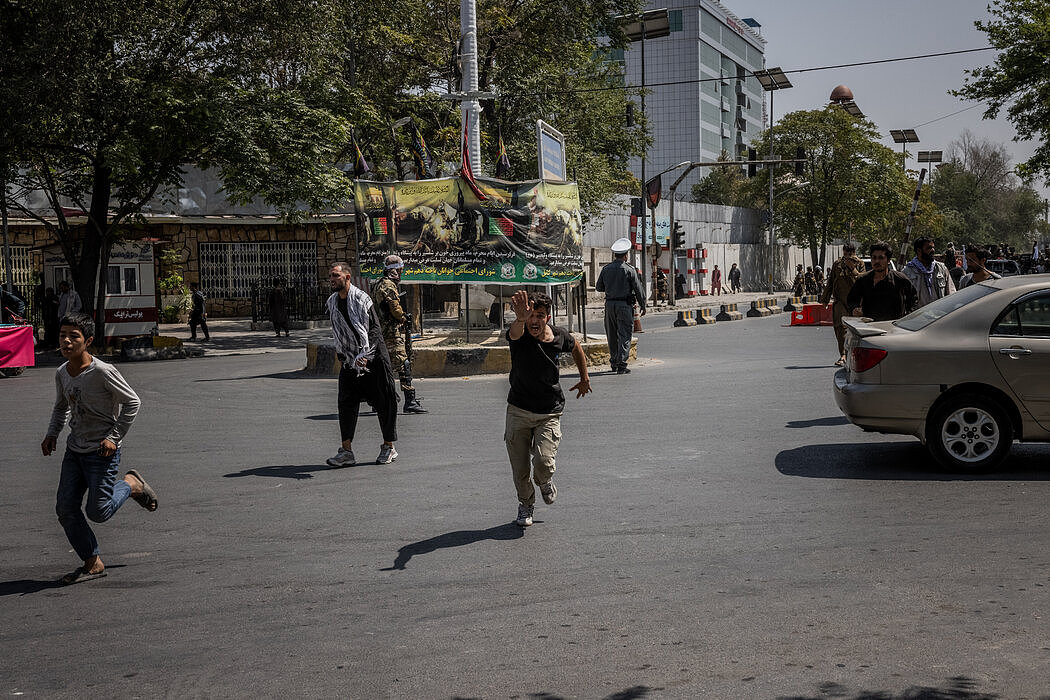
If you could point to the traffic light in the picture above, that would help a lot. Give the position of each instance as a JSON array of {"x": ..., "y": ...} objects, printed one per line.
[
  {"x": 800, "y": 161},
  {"x": 678, "y": 237},
  {"x": 752, "y": 167}
]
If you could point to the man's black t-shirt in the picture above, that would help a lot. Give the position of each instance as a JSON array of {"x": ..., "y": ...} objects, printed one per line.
[
  {"x": 535, "y": 378},
  {"x": 889, "y": 299}
]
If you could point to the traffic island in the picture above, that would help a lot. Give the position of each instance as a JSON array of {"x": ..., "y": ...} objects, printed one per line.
[{"x": 443, "y": 359}]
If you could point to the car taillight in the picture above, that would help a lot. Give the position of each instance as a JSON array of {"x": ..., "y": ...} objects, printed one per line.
[{"x": 866, "y": 358}]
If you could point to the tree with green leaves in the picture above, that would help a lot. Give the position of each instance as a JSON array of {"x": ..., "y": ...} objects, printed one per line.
[
  {"x": 726, "y": 185},
  {"x": 113, "y": 102},
  {"x": 852, "y": 186},
  {"x": 981, "y": 199},
  {"x": 1018, "y": 80},
  {"x": 543, "y": 60}
]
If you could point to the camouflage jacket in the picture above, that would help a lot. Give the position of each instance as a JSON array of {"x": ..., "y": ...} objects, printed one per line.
[{"x": 387, "y": 303}]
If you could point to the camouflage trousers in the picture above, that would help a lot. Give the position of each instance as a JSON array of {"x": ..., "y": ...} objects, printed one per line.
[{"x": 395, "y": 345}]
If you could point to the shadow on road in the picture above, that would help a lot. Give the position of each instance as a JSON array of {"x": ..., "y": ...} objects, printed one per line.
[
  {"x": 632, "y": 693},
  {"x": 831, "y": 366},
  {"x": 293, "y": 374},
  {"x": 26, "y": 586},
  {"x": 905, "y": 461},
  {"x": 957, "y": 688},
  {"x": 458, "y": 538},
  {"x": 815, "y": 422},
  {"x": 283, "y": 471}
]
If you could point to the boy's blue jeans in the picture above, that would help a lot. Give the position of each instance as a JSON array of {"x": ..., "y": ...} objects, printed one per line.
[{"x": 97, "y": 476}]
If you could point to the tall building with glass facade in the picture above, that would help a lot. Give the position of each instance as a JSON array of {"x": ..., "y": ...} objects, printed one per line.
[{"x": 703, "y": 98}]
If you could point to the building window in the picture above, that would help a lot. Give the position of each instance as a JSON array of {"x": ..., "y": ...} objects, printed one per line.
[
  {"x": 122, "y": 279},
  {"x": 229, "y": 270},
  {"x": 674, "y": 19}
]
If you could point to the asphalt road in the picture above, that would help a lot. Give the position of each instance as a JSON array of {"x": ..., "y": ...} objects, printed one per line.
[{"x": 720, "y": 532}]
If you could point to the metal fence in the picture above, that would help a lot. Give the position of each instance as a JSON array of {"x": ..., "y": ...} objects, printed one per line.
[{"x": 304, "y": 303}]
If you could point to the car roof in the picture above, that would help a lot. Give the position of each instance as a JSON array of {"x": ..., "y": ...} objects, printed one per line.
[{"x": 1023, "y": 283}]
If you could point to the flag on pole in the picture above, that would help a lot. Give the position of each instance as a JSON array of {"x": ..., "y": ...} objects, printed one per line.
[
  {"x": 503, "y": 164},
  {"x": 465, "y": 171},
  {"x": 360, "y": 164},
  {"x": 420, "y": 154}
]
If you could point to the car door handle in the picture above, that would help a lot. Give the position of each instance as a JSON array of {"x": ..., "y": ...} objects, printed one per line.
[{"x": 1014, "y": 351}]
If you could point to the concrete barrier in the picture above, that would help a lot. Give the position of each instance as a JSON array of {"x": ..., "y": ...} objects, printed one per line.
[
  {"x": 695, "y": 317},
  {"x": 758, "y": 310},
  {"x": 457, "y": 361},
  {"x": 729, "y": 313}
]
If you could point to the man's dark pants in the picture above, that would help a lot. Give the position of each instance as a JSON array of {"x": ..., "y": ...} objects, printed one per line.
[
  {"x": 374, "y": 387},
  {"x": 619, "y": 323}
]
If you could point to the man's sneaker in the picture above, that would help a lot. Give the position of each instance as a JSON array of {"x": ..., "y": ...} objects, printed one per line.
[
  {"x": 549, "y": 492},
  {"x": 524, "y": 515},
  {"x": 387, "y": 454},
  {"x": 342, "y": 458}
]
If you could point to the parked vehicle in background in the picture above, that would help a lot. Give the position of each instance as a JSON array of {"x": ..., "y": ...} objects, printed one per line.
[
  {"x": 966, "y": 374},
  {"x": 1004, "y": 268}
]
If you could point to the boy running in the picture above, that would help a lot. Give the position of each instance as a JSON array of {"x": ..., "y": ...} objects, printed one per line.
[
  {"x": 536, "y": 401},
  {"x": 100, "y": 407}
]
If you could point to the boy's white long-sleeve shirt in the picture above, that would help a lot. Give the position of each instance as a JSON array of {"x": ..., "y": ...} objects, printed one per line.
[{"x": 98, "y": 403}]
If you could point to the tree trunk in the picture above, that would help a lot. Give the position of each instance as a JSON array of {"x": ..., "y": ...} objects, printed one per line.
[{"x": 90, "y": 278}]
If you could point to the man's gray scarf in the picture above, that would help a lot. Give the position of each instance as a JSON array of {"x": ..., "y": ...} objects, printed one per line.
[{"x": 350, "y": 344}]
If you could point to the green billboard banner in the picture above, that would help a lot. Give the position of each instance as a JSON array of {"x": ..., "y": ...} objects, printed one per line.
[{"x": 522, "y": 233}]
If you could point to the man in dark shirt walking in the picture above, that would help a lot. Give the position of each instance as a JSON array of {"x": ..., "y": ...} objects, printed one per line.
[
  {"x": 882, "y": 294},
  {"x": 535, "y": 402}
]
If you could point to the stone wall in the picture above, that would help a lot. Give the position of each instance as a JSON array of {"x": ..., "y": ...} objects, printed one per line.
[{"x": 336, "y": 242}]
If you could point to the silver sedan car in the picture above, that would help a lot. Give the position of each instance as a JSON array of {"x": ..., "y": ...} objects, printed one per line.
[{"x": 967, "y": 374}]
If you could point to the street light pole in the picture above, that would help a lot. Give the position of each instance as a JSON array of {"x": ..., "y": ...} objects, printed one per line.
[
  {"x": 651, "y": 24},
  {"x": 772, "y": 80}
]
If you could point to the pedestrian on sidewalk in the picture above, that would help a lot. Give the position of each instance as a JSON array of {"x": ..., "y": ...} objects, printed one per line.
[
  {"x": 535, "y": 402},
  {"x": 386, "y": 299},
  {"x": 100, "y": 407},
  {"x": 198, "y": 312},
  {"x": 734, "y": 279},
  {"x": 278, "y": 302},
  {"x": 622, "y": 288},
  {"x": 365, "y": 374},
  {"x": 68, "y": 300},
  {"x": 716, "y": 281}
]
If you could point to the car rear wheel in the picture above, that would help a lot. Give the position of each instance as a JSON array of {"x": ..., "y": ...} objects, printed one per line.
[{"x": 969, "y": 433}]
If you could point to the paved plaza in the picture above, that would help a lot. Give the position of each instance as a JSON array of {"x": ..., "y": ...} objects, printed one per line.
[{"x": 720, "y": 532}]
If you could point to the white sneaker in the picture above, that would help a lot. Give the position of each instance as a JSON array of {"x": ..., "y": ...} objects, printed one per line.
[
  {"x": 387, "y": 454},
  {"x": 524, "y": 515},
  {"x": 342, "y": 458}
]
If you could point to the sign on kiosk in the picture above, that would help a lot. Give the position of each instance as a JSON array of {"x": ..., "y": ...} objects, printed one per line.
[{"x": 131, "y": 290}]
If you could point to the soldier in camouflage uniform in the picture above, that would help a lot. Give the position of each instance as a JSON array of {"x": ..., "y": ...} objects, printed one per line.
[
  {"x": 387, "y": 302},
  {"x": 844, "y": 274}
]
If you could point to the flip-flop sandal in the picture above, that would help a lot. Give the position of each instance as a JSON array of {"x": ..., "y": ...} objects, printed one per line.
[
  {"x": 79, "y": 575},
  {"x": 148, "y": 498}
]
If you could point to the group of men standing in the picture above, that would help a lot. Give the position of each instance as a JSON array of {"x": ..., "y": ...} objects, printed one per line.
[{"x": 884, "y": 294}]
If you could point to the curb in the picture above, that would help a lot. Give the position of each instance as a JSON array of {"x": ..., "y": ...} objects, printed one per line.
[{"x": 458, "y": 362}]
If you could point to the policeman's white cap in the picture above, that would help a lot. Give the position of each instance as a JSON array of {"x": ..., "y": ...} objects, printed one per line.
[{"x": 621, "y": 245}]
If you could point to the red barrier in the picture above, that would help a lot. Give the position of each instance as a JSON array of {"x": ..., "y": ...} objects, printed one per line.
[{"x": 812, "y": 315}]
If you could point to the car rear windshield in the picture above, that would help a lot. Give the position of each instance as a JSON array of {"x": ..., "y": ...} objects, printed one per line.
[{"x": 939, "y": 308}]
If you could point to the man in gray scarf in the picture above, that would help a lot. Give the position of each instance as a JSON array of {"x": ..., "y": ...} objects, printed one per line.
[
  {"x": 930, "y": 278},
  {"x": 365, "y": 374}
]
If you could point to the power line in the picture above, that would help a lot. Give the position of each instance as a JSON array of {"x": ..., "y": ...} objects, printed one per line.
[{"x": 693, "y": 81}]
